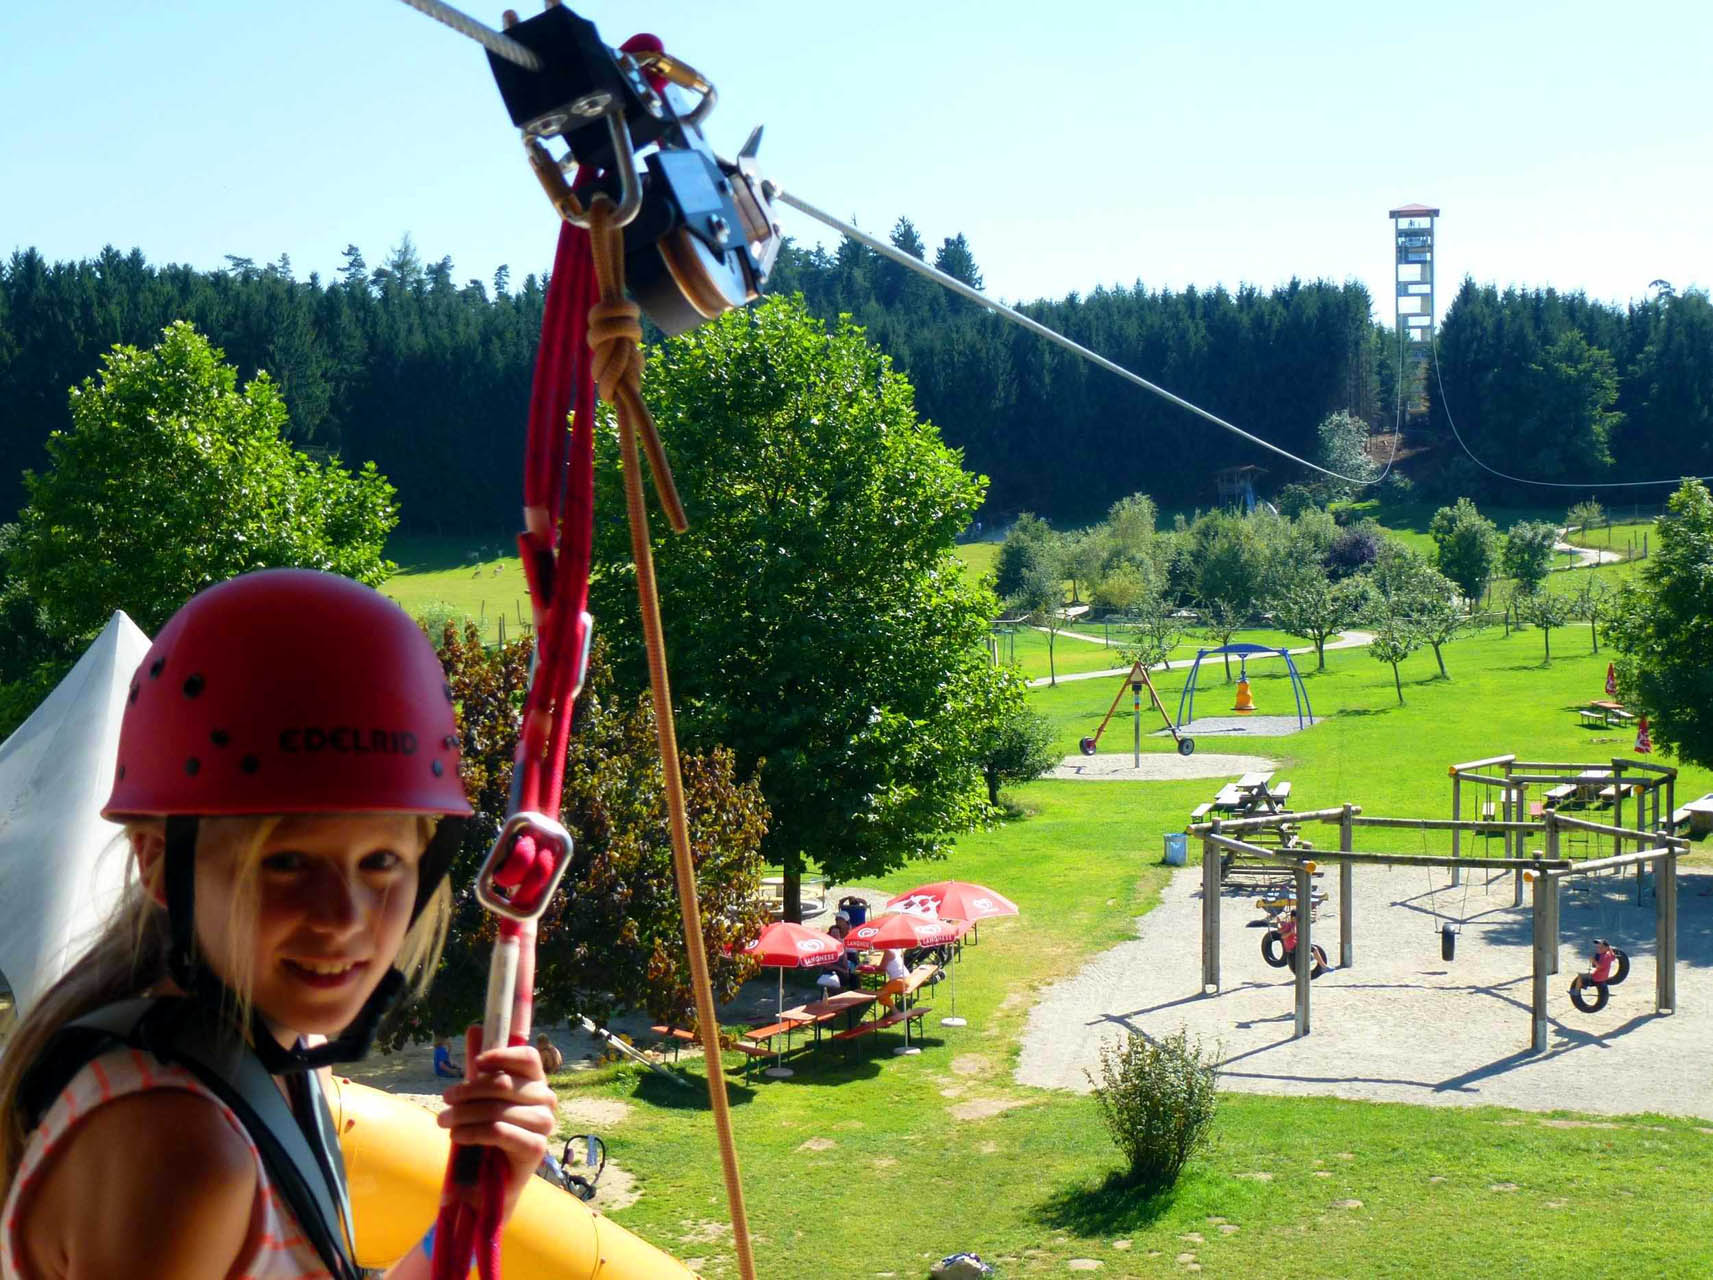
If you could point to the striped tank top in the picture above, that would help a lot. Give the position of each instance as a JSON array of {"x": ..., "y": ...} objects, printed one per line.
[{"x": 280, "y": 1252}]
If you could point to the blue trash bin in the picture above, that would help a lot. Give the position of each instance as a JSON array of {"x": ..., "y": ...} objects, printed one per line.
[
  {"x": 856, "y": 909},
  {"x": 1177, "y": 849}
]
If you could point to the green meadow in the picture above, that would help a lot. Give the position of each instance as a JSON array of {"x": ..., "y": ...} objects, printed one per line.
[{"x": 879, "y": 1164}]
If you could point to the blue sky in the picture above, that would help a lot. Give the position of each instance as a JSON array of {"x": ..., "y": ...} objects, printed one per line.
[{"x": 1074, "y": 144}]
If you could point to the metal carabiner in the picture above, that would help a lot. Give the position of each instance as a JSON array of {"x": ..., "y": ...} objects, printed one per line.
[
  {"x": 502, "y": 901},
  {"x": 683, "y": 75},
  {"x": 551, "y": 174}
]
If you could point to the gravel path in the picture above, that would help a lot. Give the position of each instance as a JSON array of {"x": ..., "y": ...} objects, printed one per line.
[
  {"x": 1159, "y": 766},
  {"x": 1401, "y": 1024}
]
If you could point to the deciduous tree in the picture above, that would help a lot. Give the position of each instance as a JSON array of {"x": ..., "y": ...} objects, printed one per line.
[
  {"x": 818, "y": 620},
  {"x": 1467, "y": 546},
  {"x": 1528, "y": 553},
  {"x": 1660, "y": 628},
  {"x": 172, "y": 478},
  {"x": 612, "y": 937}
]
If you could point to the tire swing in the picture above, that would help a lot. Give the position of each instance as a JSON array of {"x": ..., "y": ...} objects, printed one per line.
[
  {"x": 1580, "y": 998},
  {"x": 1273, "y": 949}
]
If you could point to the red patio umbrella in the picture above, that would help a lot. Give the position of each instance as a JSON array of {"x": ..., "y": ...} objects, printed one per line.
[
  {"x": 896, "y": 930},
  {"x": 956, "y": 900},
  {"x": 1611, "y": 680},
  {"x": 783, "y": 945}
]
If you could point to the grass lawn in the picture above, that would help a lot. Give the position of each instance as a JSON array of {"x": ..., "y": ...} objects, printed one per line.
[
  {"x": 884, "y": 1164},
  {"x": 478, "y": 578}
]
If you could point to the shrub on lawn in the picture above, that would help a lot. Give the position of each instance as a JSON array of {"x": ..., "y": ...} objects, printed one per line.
[{"x": 1157, "y": 1099}]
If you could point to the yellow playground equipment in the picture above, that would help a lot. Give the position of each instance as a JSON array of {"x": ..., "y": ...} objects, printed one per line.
[{"x": 394, "y": 1156}]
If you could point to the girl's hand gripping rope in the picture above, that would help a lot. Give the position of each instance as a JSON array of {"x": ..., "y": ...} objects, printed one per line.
[{"x": 505, "y": 1105}]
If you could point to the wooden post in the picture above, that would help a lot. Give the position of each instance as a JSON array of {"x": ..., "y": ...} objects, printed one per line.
[
  {"x": 1537, "y": 1012},
  {"x": 1670, "y": 799},
  {"x": 1456, "y": 832},
  {"x": 1665, "y": 926},
  {"x": 1346, "y": 894},
  {"x": 1521, "y": 850},
  {"x": 1305, "y": 946},
  {"x": 1209, "y": 915},
  {"x": 1553, "y": 899}
]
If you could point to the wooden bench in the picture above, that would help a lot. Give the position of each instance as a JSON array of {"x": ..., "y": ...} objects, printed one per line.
[
  {"x": 750, "y": 1052},
  {"x": 1592, "y": 718},
  {"x": 1201, "y": 811},
  {"x": 914, "y": 1013},
  {"x": 677, "y": 1037}
]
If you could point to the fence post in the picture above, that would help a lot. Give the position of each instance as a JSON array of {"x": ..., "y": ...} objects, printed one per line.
[
  {"x": 1305, "y": 945},
  {"x": 1553, "y": 899},
  {"x": 1456, "y": 832},
  {"x": 1346, "y": 893},
  {"x": 1209, "y": 915},
  {"x": 1665, "y": 927}
]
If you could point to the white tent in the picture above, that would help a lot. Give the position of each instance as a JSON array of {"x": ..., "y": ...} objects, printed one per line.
[{"x": 61, "y": 865}]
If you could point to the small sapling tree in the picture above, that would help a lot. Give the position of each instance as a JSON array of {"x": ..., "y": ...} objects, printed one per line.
[{"x": 1157, "y": 1099}]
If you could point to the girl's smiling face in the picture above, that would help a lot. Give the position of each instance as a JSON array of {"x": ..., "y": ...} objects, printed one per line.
[{"x": 332, "y": 899}]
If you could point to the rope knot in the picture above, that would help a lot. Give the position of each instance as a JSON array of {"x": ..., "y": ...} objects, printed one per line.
[{"x": 615, "y": 330}]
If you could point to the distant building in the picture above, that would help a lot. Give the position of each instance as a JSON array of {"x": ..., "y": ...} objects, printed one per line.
[
  {"x": 1235, "y": 486},
  {"x": 1412, "y": 237}
]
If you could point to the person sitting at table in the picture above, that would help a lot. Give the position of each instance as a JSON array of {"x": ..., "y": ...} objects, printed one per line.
[{"x": 897, "y": 975}]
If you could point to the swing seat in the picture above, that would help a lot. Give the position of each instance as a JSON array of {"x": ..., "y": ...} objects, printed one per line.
[
  {"x": 1580, "y": 998},
  {"x": 1447, "y": 942}
]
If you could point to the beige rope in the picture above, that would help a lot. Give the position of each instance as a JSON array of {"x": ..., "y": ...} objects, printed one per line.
[{"x": 614, "y": 332}]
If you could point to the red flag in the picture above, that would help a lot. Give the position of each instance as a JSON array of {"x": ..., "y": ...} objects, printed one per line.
[
  {"x": 1611, "y": 681},
  {"x": 1644, "y": 744}
]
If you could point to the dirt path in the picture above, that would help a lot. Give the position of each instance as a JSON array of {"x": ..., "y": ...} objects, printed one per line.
[
  {"x": 1402, "y": 1025},
  {"x": 1585, "y": 556}
]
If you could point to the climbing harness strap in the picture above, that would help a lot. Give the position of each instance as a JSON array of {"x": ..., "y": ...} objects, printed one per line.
[{"x": 298, "y": 1143}]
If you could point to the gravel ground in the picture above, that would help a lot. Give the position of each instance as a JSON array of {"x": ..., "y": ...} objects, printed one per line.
[
  {"x": 1159, "y": 766},
  {"x": 1401, "y": 1024}
]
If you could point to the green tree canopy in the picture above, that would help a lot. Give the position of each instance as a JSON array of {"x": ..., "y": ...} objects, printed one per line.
[
  {"x": 1467, "y": 545},
  {"x": 172, "y": 479},
  {"x": 1660, "y": 626},
  {"x": 1528, "y": 553},
  {"x": 818, "y": 621}
]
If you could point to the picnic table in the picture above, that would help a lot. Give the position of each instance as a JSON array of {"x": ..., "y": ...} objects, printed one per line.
[
  {"x": 1603, "y": 714},
  {"x": 822, "y": 1011},
  {"x": 1699, "y": 814}
]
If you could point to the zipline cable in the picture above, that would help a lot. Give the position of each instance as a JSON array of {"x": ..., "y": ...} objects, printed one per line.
[
  {"x": 501, "y": 46},
  {"x": 1433, "y": 345},
  {"x": 1052, "y": 335},
  {"x": 505, "y": 47}
]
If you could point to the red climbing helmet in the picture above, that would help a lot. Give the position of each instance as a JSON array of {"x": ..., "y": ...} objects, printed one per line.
[{"x": 288, "y": 691}]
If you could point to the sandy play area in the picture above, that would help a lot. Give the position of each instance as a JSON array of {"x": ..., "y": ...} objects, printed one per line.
[{"x": 1402, "y": 1024}]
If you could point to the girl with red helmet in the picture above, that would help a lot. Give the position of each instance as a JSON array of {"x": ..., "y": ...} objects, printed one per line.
[{"x": 287, "y": 778}]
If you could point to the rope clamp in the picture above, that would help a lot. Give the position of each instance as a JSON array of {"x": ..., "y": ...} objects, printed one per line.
[{"x": 524, "y": 867}]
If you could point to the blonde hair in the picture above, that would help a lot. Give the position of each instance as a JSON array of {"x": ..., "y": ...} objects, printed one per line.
[{"x": 129, "y": 957}]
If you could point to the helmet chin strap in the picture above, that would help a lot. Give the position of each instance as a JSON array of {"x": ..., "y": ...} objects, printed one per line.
[{"x": 200, "y": 983}]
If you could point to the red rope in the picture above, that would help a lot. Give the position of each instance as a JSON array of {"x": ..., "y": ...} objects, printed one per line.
[{"x": 556, "y": 544}]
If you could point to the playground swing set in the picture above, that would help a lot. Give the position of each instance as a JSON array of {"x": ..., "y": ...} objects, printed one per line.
[
  {"x": 1288, "y": 939},
  {"x": 1136, "y": 680}
]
